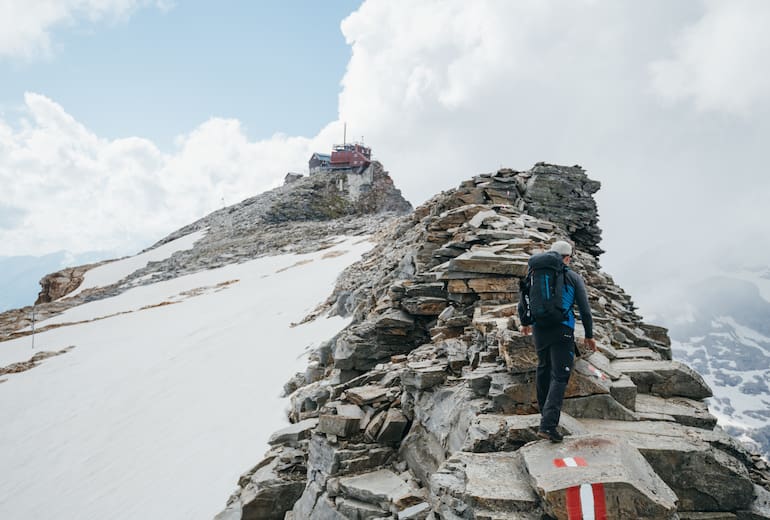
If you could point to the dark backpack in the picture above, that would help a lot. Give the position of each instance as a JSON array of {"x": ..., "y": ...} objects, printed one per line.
[{"x": 544, "y": 288}]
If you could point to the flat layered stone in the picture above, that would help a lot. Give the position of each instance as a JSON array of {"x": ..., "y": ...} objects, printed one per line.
[
  {"x": 486, "y": 482},
  {"x": 664, "y": 378},
  {"x": 424, "y": 306},
  {"x": 325, "y": 510},
  {"x": 624, "y": 392},
  {"x": 395, "y": 322},
  {"x": 352, "y": 508},
  {"x": 481, "y": 262},
  {"x": 689, "y": 460},
  {"x": 494, "y": 285},
  {"x": 416, "y": 512},
  {"x": 375, "y": 487},
  {"x": 294, "y": 433},
  {"x": 458, "y": 286},
  {"x": 423, "y": 290},
  {"x": 600, "y": 406},
  {"x": 682, "y": 410},
  {"x": 637, "y": 353},
  {"x": 630, "y": 487},
  {"x": 366, "y": 394},
  {"x": 269, "y": 494},
  {"x": 424, "y": 378},
  {"x": 691, "y": 515},
  {"x": 328, "y": 460},
  {"x": 339, "y": 425},
  {"x": 393, "y": 427}
]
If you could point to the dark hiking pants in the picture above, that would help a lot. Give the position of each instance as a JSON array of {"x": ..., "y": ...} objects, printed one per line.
[{"x": 556, "y": 357}]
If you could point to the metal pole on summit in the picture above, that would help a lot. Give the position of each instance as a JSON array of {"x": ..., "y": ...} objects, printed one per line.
[{"x": 33, "y": 327}]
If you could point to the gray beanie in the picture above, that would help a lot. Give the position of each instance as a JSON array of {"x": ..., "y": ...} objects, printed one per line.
[{"x": 562, "y": 247}]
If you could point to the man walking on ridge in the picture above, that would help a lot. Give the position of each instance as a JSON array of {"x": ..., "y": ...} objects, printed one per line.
[{"x": 545, "y": 309}]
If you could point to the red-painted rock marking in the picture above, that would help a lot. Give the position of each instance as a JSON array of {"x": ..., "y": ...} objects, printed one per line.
[
  {"x": 586, "y": 501},
  {"x": 598, "y": 373}
]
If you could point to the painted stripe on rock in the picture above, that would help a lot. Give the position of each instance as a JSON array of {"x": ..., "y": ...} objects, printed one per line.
[{"x": 586, "y": 501}]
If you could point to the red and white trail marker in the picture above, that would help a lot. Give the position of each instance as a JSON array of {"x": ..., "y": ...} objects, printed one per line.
[
  {"x": 596, "y": 372},
  {"x": 586, "y": 501}
]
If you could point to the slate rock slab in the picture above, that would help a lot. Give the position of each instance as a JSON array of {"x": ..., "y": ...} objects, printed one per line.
[
  {"x": 689, "y": 460},
  {"x": 684, "y": 411},
  {"x": 611, "y": 468},
  {"x": 487, "y": 482},
  {"x": 375, "y": 487},
  {"x": 664, "y": 378},
  {"x": 293, "y": 434}
]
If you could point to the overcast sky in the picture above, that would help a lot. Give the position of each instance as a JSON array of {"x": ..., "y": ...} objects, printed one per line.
[{"x": 666, "y": 103}]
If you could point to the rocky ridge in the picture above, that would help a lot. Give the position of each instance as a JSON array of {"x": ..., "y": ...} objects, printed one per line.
[
  {"x": 303, "y": 215},
  {"x": 424, "y": 406}
]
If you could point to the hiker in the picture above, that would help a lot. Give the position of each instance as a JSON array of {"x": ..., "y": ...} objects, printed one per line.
[{"x": 549, "y": 315}]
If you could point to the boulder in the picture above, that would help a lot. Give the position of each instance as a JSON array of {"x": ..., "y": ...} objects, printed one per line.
[
  {"x": 759, "y": 508},
  {"x": 375, "y": 487},
  {"x": 269, "y": 493},
  {"x": 393, "y": 427},
  {"x": 586, "y": 379},
  {"x": 424, "y": 375},
  {"x": 326, "y": 459},
  {"x": 518, "y": 351},
  {"x": 600, "y": 474},
  {"x": 601, "y": 406},
  {"x": 489, "y": 484},
  {"x": 422, "y": 452},
  {"x": 293, "y": 434},
  {"x": 366, "y": 394},
  {"x": 424, "y": 306},
  {"x": 704, "y": 477},
  {"x": 664, "y": 378},
  {"x": 682, "y": 410},
  {"x": 352, "y": 508},
  {"x": 339, "y": 425},
  {"x": 623, "y": 391}
]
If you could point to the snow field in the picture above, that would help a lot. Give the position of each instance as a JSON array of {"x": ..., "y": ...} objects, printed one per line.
[{"x": 157, "y": 412}]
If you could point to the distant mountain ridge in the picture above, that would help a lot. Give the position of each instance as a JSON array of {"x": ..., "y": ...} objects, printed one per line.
[{"x": 727, "y": 339}]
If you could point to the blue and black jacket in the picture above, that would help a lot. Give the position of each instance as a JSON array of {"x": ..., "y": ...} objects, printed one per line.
[{"x": 574, "y": 293}]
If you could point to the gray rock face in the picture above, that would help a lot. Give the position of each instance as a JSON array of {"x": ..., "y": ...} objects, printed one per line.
[
  {"x": 690, "y": 461},
  {"x": 486, "y": 483},
  {"x": 426, "y": 403},
  {"x": 664, "y": 378},
  {"x": 617, "y": 475},
  {"x": 270, "y": 492}
]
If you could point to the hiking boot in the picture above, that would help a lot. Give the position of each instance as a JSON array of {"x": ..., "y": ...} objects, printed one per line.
[{"x": 551, "y": 435}]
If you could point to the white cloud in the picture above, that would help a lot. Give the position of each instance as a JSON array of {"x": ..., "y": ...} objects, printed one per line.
[
  {"x": 720, "y": 60},
  {"x": 443, "y": 90},
  {"x": 26, "y": 25},
  {"x": 66, "y": 188}
]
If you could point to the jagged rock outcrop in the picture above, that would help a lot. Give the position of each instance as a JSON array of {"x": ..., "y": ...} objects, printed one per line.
[
  {"x": 59, "y": 284},
  {"x": 424, "y": 406}
]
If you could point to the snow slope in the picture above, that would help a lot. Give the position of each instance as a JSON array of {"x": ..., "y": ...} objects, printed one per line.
[
  {"x": 115, "y": 271},
  {"x": 153, "y": 413}
]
